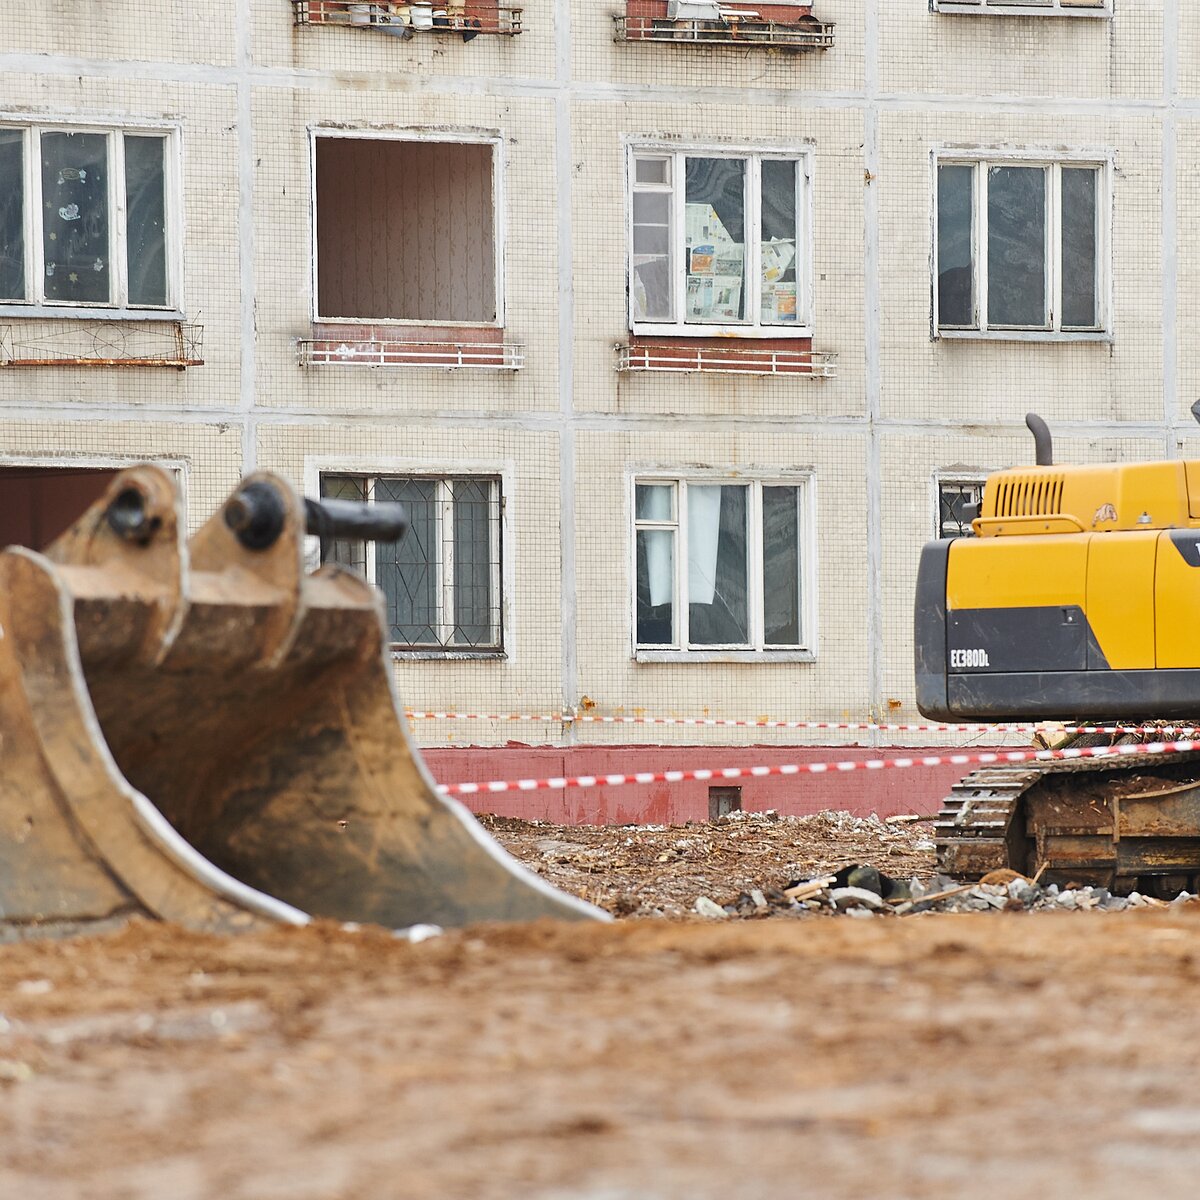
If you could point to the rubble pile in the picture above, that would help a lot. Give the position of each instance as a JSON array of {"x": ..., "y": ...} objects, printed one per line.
[
  {"x": 659, "y": 870},
  {"x": 863, "y": 891}
]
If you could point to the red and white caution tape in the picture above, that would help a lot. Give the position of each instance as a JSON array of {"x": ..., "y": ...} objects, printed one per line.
[
  {"x": 818, "y": 768},
  {"x": 860, "y": 726}
]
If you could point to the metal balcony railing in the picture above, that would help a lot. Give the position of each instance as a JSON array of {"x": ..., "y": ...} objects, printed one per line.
[
  {"x": 815, "y": 364},
  {"x": 332, "y": 352},
  {"x": 736, "y": 27},
  {"x": 101, "y": 344},
  {"x": 405, "y": 20}
]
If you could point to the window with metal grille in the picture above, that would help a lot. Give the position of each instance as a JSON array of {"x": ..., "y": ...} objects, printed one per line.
[
  {"x": 958, "y": 506},
  {"x": 441, "y": 581}
]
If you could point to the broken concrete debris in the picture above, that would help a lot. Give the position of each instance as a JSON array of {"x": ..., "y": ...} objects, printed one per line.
[{"x": 862, "y": 890}]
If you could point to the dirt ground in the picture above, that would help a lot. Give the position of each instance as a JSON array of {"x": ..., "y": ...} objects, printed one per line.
[{"x": 646, "y": 1059}]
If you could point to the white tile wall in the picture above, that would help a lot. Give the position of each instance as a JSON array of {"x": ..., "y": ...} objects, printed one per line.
[{"x": 247, "y": 86}]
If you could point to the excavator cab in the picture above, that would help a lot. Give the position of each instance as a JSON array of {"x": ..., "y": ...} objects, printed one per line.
[{"x": 204, "y": 732}]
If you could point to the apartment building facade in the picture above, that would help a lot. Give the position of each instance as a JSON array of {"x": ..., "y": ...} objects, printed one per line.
[{"x": 679, "y": 327}]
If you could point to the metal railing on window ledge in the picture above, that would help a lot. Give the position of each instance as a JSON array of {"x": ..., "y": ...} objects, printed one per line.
[
  {"x": 101, "y": 344},
  {"x": 402, "y": 21},
  {"x": 815, "y": 364},
  {"x": 502, "y": 356},
  {"x": 735, "y": 28}
]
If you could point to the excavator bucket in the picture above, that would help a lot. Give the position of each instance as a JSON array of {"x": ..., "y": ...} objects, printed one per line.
[{"x": 203, "y": 732}]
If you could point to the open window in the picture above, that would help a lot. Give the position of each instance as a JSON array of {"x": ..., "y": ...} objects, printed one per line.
[
  {"x": 406, "y": 231},
  {"x": 88, "y": 220},
  {"x": 723, "y": 565},
  {"x": 442, "y": 580},
  {"x": 1021, "y": 247}
]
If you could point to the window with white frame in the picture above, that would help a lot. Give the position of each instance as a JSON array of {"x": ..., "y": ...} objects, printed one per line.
[
  {"x": 87, "y": 218},
  {"x": 405, "y": 230},
  {"x": 722, "y": 565},
  {"x": 441, "y": 581},
  {"x": 1025, "y": 8},
  {"x": 1021, "y": 245},
  {"x": 719, "y": 240},
  {"x": 958, "y": 501}
]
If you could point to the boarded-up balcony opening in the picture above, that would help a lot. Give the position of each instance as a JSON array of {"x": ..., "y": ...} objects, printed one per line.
[
  {"x": 39, "y": 503},
  {"x": 405, "y": 231}
]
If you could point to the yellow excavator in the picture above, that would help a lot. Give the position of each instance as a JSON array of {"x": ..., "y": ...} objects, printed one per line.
[
  {"x": 1078, "y": 601},
  {"x": 203, "y": 731}
]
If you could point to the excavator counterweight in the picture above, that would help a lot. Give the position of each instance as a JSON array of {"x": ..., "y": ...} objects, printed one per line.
[{"x": 203, "y": 732}]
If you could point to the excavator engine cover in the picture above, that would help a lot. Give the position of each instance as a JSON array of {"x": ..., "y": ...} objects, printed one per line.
[{"x": 201, "y": 731}]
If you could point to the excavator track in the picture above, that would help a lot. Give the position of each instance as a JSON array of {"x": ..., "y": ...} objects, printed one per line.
[{"x": 1132, "y": 822}]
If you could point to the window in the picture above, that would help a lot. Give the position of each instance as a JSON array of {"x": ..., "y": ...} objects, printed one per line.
[
  {"x": 719, "y": 242},
  {"x": 1025, "y": 8},
  {"x": 721, "y": 565},
  {"x": 86, "y": 218},
  {"x": 405, "y": 231},
  {"x": 441, "y": 581},
  {"x": 1020, "y": 246},
  {"x": 958, "y": 502}
]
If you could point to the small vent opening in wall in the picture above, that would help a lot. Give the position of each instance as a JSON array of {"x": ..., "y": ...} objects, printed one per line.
[{"x": 723, "y": 800}]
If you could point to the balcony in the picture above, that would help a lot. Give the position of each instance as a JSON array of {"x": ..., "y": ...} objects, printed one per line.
[
  {"x": 403, "y": 352},
  {"x": 680, "y": 357},
  {"x": 101, "y": 344},
  {"x": 405, "y": 20},
  {"x": 714, "y": 23}
]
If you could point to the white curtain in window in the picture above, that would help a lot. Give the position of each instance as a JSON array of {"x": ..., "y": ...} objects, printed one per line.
[
  {"x": 659, "y": 566},
  {"x": 704, "y": 527}
]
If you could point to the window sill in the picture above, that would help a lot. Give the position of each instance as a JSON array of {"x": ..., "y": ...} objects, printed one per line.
[
  {"x": 400, "y": 654},
  {"x": 1021, "y": 335},
  {"x": 54, "y": 312},
  {"x": 1017, "y": 10},
  {"x": 725, "y": 333},
  {"x": 724, "y": 656}
]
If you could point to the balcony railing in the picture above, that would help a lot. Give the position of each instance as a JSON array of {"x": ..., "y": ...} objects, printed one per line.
[
  {"x": 101, "y": 344},
  {"x": 334, "y": 352},
  {"x": 405, "y": 20},
  {"x": 736, "y": 27},
  {"x": 815, "y": 364}
]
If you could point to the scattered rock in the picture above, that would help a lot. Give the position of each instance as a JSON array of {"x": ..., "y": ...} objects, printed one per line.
[
  {"x": 709, "y": 908},
  {"x": 850, "y": 897},
  {"x": 1005, "y": 876}
]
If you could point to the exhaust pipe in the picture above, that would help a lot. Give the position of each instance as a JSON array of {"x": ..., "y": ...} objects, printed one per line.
[{"x": 1041, "y": 439}]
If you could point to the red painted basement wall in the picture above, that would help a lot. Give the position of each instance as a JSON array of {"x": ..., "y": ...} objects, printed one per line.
[{"x": 915, "y": 790}]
